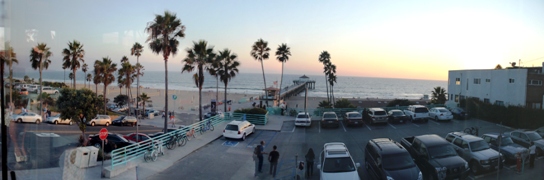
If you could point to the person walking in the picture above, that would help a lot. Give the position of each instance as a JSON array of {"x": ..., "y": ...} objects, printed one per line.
[
  {"x": 532, "y": 152},
  {"x": 273, "y": 159},
  {"x": 310, "y": 156},
  {"x": 259, "y": 151}
]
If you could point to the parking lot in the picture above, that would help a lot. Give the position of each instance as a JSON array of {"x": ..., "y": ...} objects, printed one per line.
[{"x": 231, "y": 159}]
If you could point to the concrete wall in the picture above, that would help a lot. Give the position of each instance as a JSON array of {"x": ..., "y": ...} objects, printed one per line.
[{"x": 499, "y": 87}]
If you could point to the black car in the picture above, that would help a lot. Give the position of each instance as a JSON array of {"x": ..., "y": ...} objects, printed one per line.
[
  {"x": 211, "y": 114},
  {"x": 118, "y": 142},
  {"x": 459, "y": 113},
  {"x": 118, "y": 121},
  {"x": 397, "y": 116},
  {"x": 387, "y": 159}
]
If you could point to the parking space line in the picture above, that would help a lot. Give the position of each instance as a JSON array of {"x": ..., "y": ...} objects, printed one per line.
[
  {"x": 319, "y": 127},
  {"x": 343, "y": 126},
  {"x": 367, "y": 126},
  {"x": 294, "y": 129},
  {"x": 434, "y": 122},
  {"x": 415, "y": 124},
  {"x": 248, "y": 144},
  {"x": 392, "y": 126}
]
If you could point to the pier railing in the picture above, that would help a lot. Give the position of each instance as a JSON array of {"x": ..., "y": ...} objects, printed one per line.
[{"x": 338, "y": 111}]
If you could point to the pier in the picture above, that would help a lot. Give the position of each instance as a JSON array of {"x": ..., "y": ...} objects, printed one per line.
[{"x": 297, "y": 87}]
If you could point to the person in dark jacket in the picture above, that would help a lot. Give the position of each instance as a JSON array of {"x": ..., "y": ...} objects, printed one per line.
[{"x": 310, "y": 156}]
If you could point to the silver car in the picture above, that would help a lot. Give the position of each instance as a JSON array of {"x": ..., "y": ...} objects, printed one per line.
[
  {"x": 100, "y": 120},
  {"x": 27, "y": 117},
  {"x": 57, "y": 120}
]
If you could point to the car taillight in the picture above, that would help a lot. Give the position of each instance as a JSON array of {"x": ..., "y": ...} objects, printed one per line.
[{"x": 239, "y": 132}]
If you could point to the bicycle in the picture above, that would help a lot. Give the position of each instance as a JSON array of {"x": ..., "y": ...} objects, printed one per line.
[
  {"x": 154, "y": 151},
  {"x": 207, "y": 126},
  {"x": 472, "y": 130},
  {"x": 190, "y": 134},
  {"x": 176, "y": 139}
]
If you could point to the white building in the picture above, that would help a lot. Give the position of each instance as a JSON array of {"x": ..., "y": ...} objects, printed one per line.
[{"x": 519, "y": 86}]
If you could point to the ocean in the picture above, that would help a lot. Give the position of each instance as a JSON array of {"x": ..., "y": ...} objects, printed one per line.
[{"x": 252, "y": 83}]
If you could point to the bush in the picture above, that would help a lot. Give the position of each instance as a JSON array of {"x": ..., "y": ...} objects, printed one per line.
[
  {"x": 343, "y": 103},
  {"x": 513, "y": 116},
  {"x": 251, "y": 111},
  {"x": 400, "y": 102}
]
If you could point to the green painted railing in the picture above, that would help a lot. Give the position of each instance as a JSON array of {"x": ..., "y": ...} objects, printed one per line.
[
  {"x": 319, "y": 111},
  {"x": 122, "y": 156},
  {"x": 258, "y": 119}
]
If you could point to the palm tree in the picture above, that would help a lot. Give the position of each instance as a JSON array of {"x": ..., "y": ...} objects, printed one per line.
[
  {"x": 144, "y": 98},
  {"x": 136, "y": 50},
  {"x": 39, "y": 57},
  {"x": 260, "y": 51},
  {"x": 201, "y": 57},
  {"x": 89, "y": 79},
  {"x": 84, "y": 68},
  {"x": 164, "y": 31},
  {"x": 71, "y": 76},
  {"x": 283, "y": 52},
  {"x": 96, "y": 78},
  {"x": 228, "y": 68},
  {"x": 106, "y": 68},
  {"x": 72, "y": 55},
  {"x": 8, "y": 57},
  {"x": 332, "y": 80},
  {"x": 325, "y": 58},
  {"x": 126, "y": 77},
  {"x": 438, "y": 95}
]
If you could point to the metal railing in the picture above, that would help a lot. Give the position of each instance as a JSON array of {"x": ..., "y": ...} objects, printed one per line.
[
  {"x": 319, "y": 111},
  {"x": 122, "y": 156},
  {"x": 258, "y": 119}
]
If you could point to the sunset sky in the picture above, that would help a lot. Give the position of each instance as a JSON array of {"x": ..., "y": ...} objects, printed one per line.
[{"x": 417, "y": 39}]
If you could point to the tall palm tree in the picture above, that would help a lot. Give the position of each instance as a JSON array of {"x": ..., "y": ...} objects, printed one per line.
[
  {"x": 259, "y": 51},
  {"x": 96, "y": 78},
  {"x": 126, "y": 77},
  {"x": 214, "y": 71},
  {"x": 439, "y": 95},
  {"x": 325, "y": 58},
  {"x": 164, "y": 31},
  {"x": 136, "y": 50},
  {"x": 201, "y": 57},
  {"x": 84, "y": 68},
  {"x": 8, "y": 57},
  {"x": 282, "y": 54},
  {"x": 39, "y": 57},
  {"x": 106, "y": 68},
  {"x": 332, "y": 80},
  {"x": 89, "y": 79},
  {"x": 144, "y": 98},
  {"x": 72, "y": 57},
  {"x": 228, "y": 68},
  {"x": 71, "y": 76}
]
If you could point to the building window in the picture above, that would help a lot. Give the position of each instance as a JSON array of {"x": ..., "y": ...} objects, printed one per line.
[
  {"x": 487, "y": 80},
  {"x": 499, "y": 103},
  {"x": 536, "y": 105},
  {"x": 511, "y": 80},
  {"x": 476, "y": 80},
  {"x": 486, "y": 100},
  {"x": 457, "y": 81},
  {"x": 535, "y": 82},
  {"x": 456, "y": 98}
]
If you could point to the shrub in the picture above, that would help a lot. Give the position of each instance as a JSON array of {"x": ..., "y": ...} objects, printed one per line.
[
  {"x": 400, "y": 102},
  {"x": 343, "y": 103}
]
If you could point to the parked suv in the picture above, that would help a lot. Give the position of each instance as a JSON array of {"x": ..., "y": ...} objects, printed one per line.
[
  {"x": 303, "y": 119},
  {"x": 387, "y": 159},
  {"x": 524, "y": 138},
  {"x": 49, "y": 90},
  {"x": 417, "y": 112},
  {"x": 330, "y": 119},
  {"x": 238, "y": 129},
  {"x": 100, "y": 120},
  {"x": 353, "y": 118},
  {"x": 475, "y": 151},
  {"x": 335, "y": 162},
  {"x": 507, "y": 147},
  {"x": 377, "y": 115}
]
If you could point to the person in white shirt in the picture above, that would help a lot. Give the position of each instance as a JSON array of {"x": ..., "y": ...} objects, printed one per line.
[{"x": 532, "y": 151}]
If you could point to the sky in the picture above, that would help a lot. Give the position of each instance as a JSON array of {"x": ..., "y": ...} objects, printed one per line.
[{"x": 417, "y": 39}]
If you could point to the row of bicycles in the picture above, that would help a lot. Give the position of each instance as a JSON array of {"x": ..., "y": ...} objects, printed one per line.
[{"x": 180, "y": 138}]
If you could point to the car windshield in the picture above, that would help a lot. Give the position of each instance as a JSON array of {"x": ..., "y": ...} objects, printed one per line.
[
  {"x": 398, "y": 161},
  {"x": 443, "y": 110},
  {"x": 506, "y": 141},
  {"x": 534, "y": 136},
  {"x": 329, "y": 116},
  {"x": 421, "y": 110},
  {"x": 441, "y": 151},
  {"x": 379, "y": 112},
  {"x": 398, "y": 113},
  {"x": 343, "y": 164},
  {"x": 479, "y": 145},
  {"x": 231, "y": 127},
  {"x": 354, "y": 115},
  {"x": 302, "y": 116}
]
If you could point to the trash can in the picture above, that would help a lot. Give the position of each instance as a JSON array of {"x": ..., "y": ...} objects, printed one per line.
[
  {"x": 82, "y": 157},
  {"x": 93, "y": 156}
]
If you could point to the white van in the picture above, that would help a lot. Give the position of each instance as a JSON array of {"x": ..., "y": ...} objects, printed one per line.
[
  {"x": 22, "y": 86},
  {"x": 49, "y": 90}
]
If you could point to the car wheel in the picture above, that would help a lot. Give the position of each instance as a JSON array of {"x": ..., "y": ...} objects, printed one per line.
[
  {"x": 56, "y": 122},
  {"x": 107, "y": 124},
  {"x": 244, "y": 137},
  {"x": 37, "y": 121},
  {"x": 474, "y": 167},
  {"x": 92, "y": 123},
  {"x": 19, "y": 120}
]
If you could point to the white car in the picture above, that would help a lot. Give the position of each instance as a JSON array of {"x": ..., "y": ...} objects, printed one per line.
[
  {"x": 100, "y": 120},
  {"x": 440, "y": 113},
  {"x": 27, "y": 117},
  {"x": 57, "y": 120},
  {"x": 303, "y": 119},
  {"x": 335, "y": 162},
  {"x": 238, "y": 129}
]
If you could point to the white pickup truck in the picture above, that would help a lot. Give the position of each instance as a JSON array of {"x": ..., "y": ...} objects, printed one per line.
[{"x": 417, "y": 113}]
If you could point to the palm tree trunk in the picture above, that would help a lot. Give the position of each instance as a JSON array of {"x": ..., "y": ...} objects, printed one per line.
[
  {"x": 281, "y": 79},
  {"x": 165, "y": 93},
  {"x": 74, "y": 72},
  {"x": 225, "y": 97},
  {"x": 40, "y": 88},
  {"x": 264, "y": 79},
  {"x": 200, "y": 76},
  {"x": 138, "y": 84},
  {"x": 105, "y": 90},
  {"x": 217, "y": 92},
  {"x": 332, "y": 95},
  {"x": 327, "y": 87}
]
